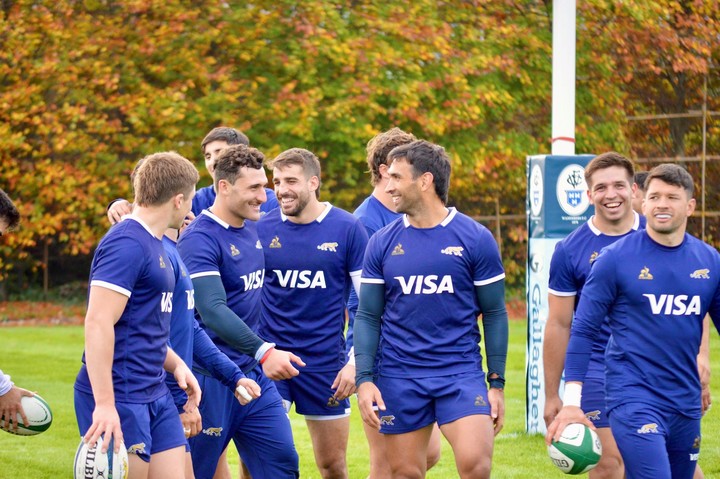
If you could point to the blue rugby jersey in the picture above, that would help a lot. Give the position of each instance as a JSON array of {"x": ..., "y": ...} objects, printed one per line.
[
  {"x": 373, "y": 215},
  {"x": 132, "y": 261},
  {"x": 569, "y": 268},
  {"x": 430, "y": 321},
  {"x": 308, "y": 270},
  {"x": 211, "y": 247},
  {"x": 655, "y": 298},
  {"x": 187, "y": 339}
]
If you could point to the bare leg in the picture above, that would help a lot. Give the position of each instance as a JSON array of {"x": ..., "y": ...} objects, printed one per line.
[
  {"x": 379, "y": 467},
  {"x": 189, "y": 473},
  {"x": 407, "y": 453},
  {"x": 472, "y": 439},
  {"x": 223, "y": 470},
  {"x": 330, "y": 438},
  {"x": 168, "y": 464},
  {"x": 611, "y": 464}
]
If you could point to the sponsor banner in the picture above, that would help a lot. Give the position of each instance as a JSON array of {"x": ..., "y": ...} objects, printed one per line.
[
  {"x": 556, "y": 204},
  {"x": 557, "y": 200}
]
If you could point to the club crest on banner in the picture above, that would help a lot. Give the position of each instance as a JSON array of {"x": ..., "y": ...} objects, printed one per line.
[{"x": 571, "y": 190}]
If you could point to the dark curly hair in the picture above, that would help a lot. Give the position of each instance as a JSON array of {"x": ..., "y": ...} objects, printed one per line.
[{"x": 233, "y": 158}]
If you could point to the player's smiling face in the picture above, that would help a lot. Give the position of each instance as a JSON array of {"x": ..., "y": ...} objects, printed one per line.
[
  {"x": 403, "y": 189},
  {"x": 293, "y": 189},
  {"x": 666, "y": 207},
  {"x": 611, "y": 193},
  {"x": 246, "y": 195}
]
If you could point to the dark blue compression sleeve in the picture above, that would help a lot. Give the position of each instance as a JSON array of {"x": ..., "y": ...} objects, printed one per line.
[
  {"x": 491, "y": 298},
  {"x": 211, "y": 303},
  {"x": 367, "y": 330},
  {"x": 208, "y": 357}
]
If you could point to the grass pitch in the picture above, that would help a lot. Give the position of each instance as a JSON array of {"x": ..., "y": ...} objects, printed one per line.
[{"x": 46, "y": 360}]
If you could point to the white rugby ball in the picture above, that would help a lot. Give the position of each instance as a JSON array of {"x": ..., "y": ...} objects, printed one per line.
[
  {"x": 38, "y": 414},
  {"x": 91, "y": 463}
]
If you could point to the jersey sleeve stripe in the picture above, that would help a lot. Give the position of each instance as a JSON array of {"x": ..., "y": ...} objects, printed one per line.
[
  {"x": 112, "y": 287},
  {"x": 372, "y": 280},
  {"x": 483, "y": 282},
  {"x": 562, "y": 293},
  {"x": 353, "y": 274},
  {"x": 204, "y": 273}
]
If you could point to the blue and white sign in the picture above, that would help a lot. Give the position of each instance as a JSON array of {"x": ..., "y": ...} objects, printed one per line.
[{"x": 557, "y": 203}]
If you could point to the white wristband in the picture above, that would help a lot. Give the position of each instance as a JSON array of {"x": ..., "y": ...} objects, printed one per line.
[
  {"x": 573, "y": 394},
  {"x": 262, "y": 350}
]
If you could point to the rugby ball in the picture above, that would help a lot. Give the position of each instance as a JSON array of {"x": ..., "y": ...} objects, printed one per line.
[
  {"x": 38, "y": 414},
  {"x": 91, "y": 463},
  {"x": 577, "y": 451}
]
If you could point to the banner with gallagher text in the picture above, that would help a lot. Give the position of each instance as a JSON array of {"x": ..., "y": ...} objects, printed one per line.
[{"x": 556, "y": 204}]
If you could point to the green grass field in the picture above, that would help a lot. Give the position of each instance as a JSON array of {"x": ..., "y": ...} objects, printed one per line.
[{"x": 46, "y": 360}]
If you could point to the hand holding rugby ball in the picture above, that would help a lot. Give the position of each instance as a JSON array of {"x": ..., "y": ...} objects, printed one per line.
[
  {"x": 577, "y": 451},
  {"x": 38, "y": 414},
  {"x": 92, "y": 463}
]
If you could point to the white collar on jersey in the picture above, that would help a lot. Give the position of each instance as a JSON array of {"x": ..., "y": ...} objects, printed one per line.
[
  {"x": 451, "y": 214},
  {"x": 142, "y": 223},
  {"x": 319, "y": 219},
  {"x": 593, "y": 228},
  {"x": 215, "y": 218}
]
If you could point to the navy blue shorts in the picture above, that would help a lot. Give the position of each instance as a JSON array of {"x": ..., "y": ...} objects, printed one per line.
[
  {"x": 312, "y": 395},
  {"x": 260, "y": 430},
  {"x": 413, "y": 404},
  {"x": 147, "y": 428},
  {"x": 593, "y": 402},
  {"x": 656, "y": 444}
]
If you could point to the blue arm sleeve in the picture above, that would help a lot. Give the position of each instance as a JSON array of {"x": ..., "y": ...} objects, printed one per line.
[
  {"x": 211, "y": 303},
  {"x": 598, "y": 294},
  {"x": 367, "y": 330},
  {"x": 210, "y": 358},
  {"x": 352, "y": 306},
  {"x": 491, "y": 298}
]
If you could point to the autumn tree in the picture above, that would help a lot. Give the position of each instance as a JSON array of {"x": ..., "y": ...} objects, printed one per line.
[{"x": 88, "y": 88}]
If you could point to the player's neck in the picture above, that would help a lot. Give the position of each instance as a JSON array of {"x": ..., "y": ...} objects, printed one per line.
[
  {"x": 614, "y": 228},
  {"x": 672, "y": 239},
  {"x": 310, "y": 213},
  {"x": 157, "y": 218},
  {"x": 384, "y": 198},
  {"x": 222, "y": 212},
  {"x": 427, "y": 215},
  {"x": 172, "y": 233}
]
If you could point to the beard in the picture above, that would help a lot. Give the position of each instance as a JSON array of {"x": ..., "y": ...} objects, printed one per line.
[{"x": 295, "y": 209}]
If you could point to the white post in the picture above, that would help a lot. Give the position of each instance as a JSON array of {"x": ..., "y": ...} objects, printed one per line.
[{"x": 563, "y": 78}]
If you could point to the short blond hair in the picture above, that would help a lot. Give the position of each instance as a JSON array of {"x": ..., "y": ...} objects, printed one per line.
[{"x": 160, "y": 176}]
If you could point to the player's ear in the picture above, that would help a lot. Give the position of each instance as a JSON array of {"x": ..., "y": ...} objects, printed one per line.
[
  {"x": 383, "y": 171},
  {"x": 314, "y": 183},
  {"x": 222, "y": 185},
  {"x": 178, "y": 200},
  {"x": 691, "y": 206},
  {"x": 426, "y": 181}
]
